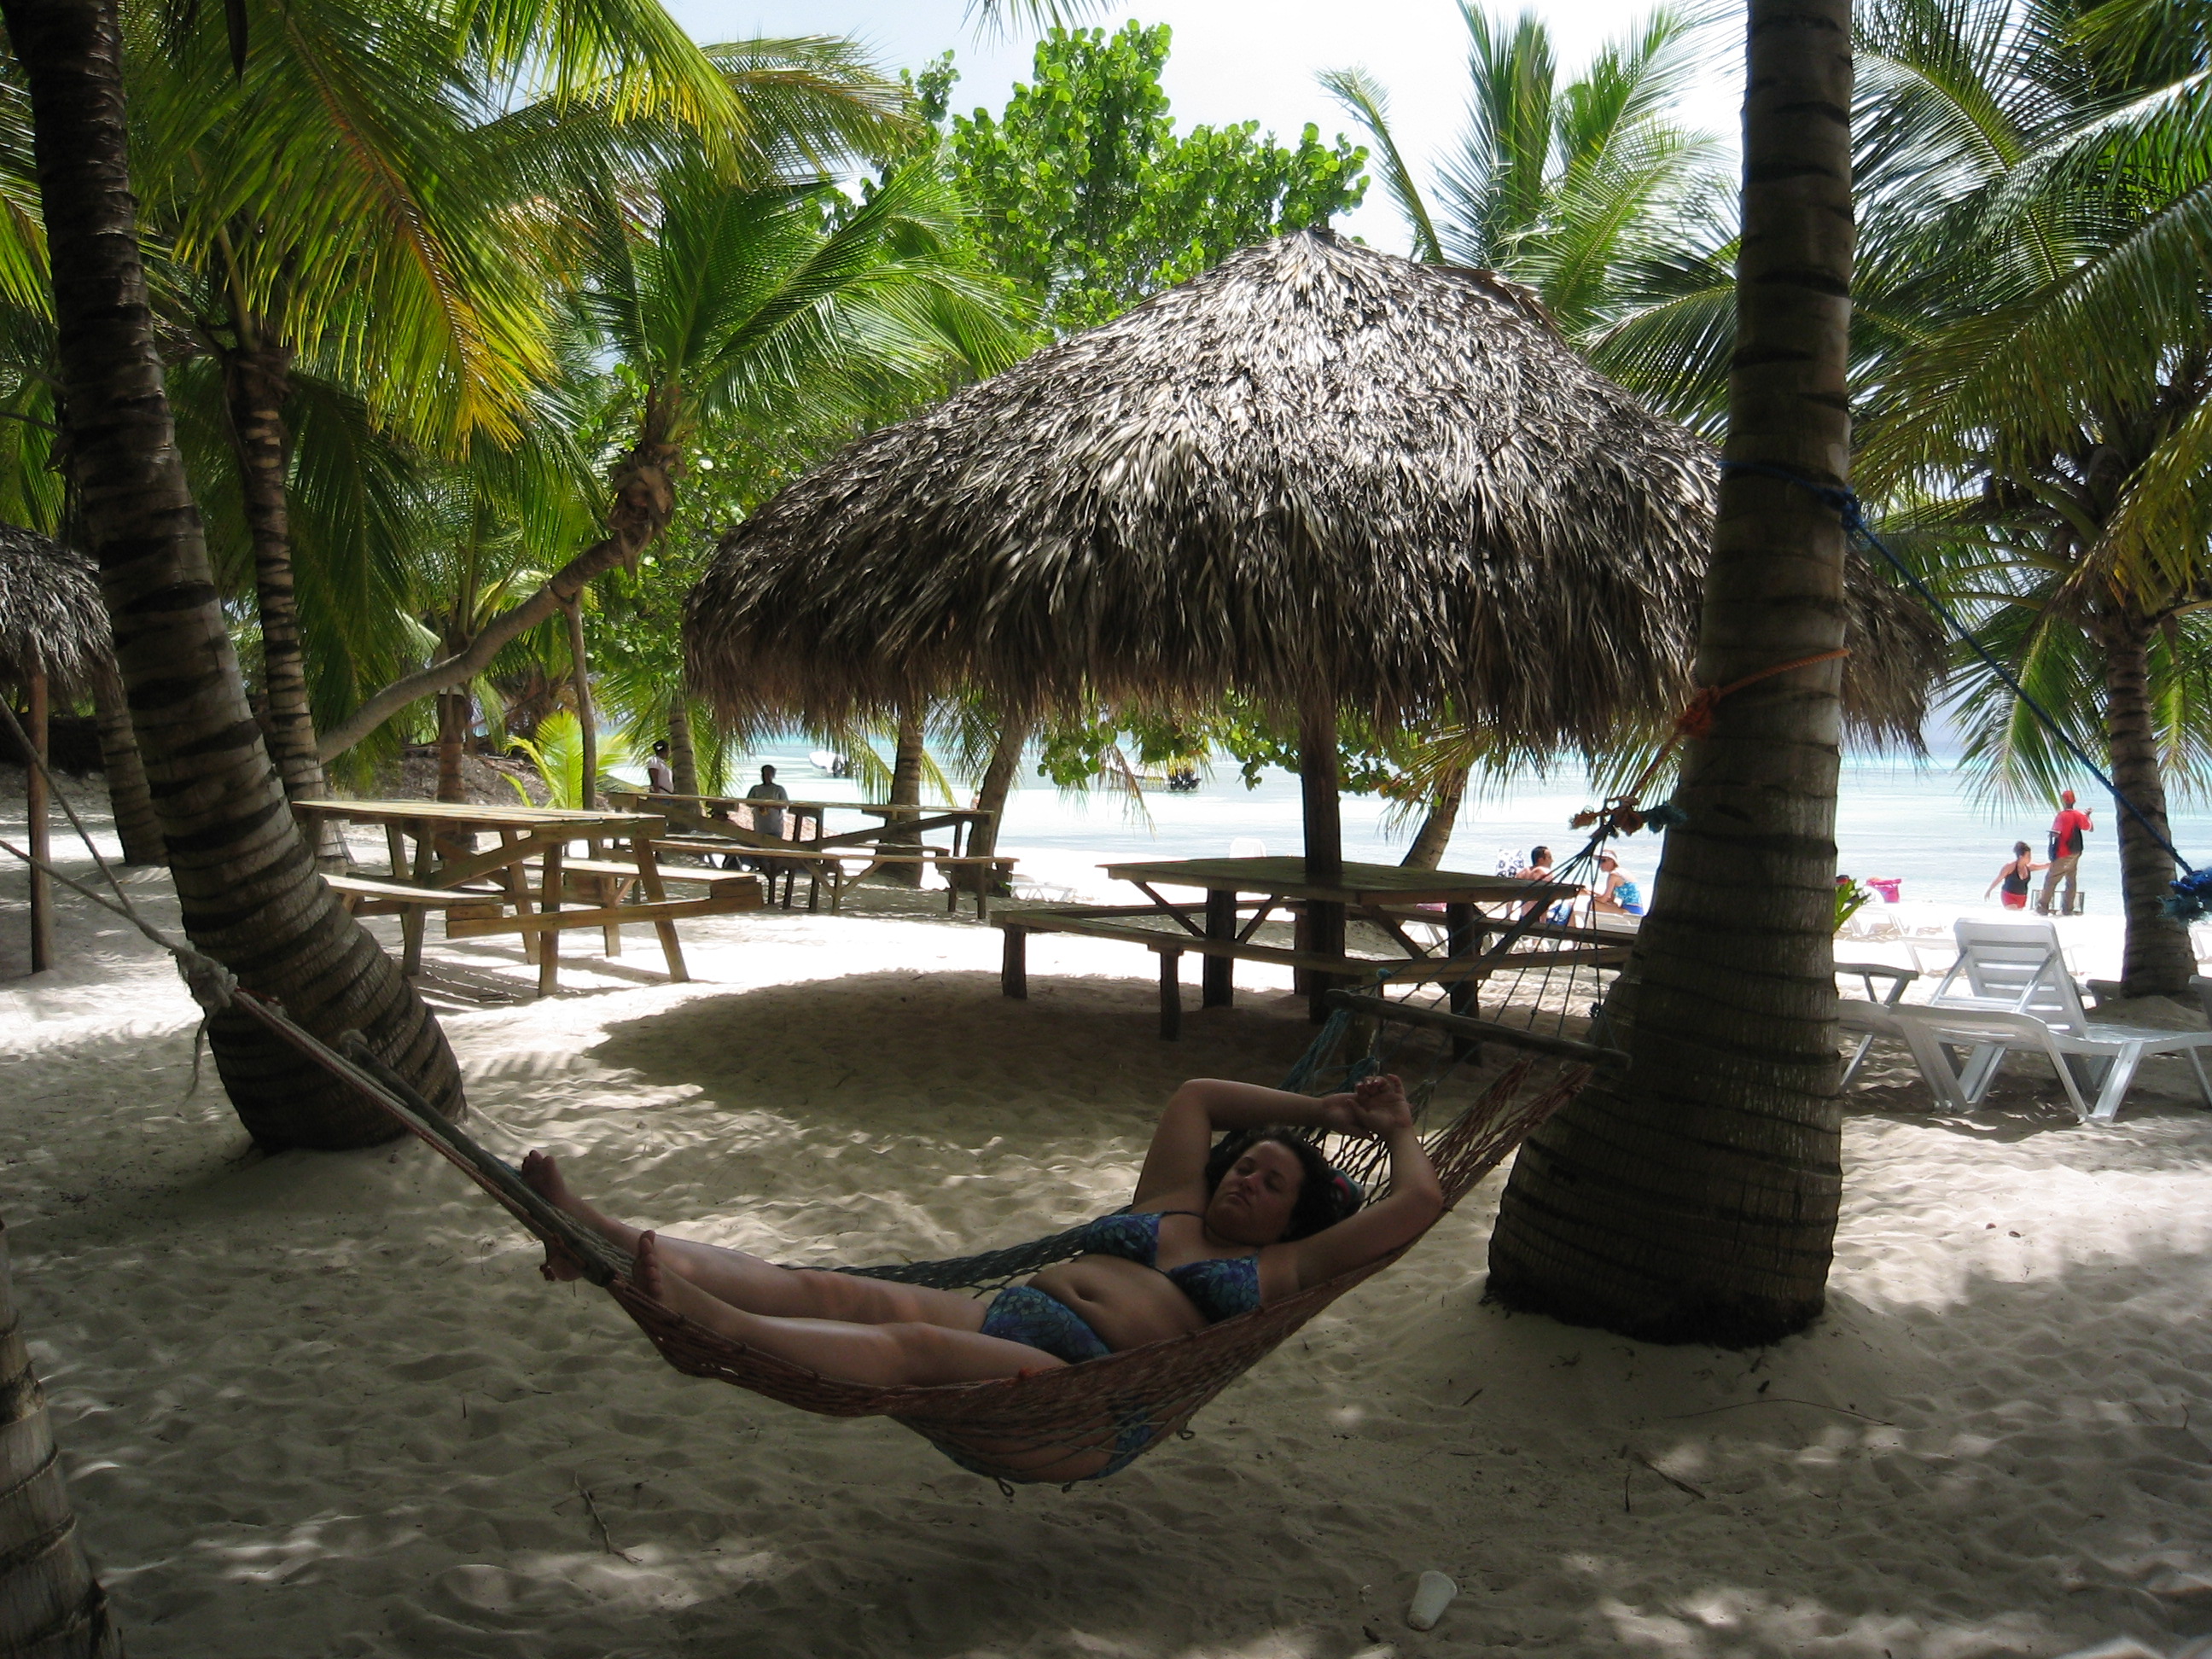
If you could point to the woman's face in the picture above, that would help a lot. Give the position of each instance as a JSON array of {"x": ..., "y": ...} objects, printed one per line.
[{"x": 1252, "y": 1204}]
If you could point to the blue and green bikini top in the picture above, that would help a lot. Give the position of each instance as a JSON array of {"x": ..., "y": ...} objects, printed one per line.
[{"x": 1219, "y": 1287}]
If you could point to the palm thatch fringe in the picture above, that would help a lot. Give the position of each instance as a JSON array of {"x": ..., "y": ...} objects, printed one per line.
[
  {"x": 1315, "y": 471},
  {"x": 52, "y": 620}
]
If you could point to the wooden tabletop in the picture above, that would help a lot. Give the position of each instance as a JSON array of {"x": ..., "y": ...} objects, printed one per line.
[
  {"x": 468, "y": 815},
  {"x": 1363, "y": 884}
]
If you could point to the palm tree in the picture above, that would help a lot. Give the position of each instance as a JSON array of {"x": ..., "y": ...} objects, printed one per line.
[
  {"x": 343, "y": 206},
  {"x": 1573, "y": 187},
  {"x": 50, "y": 1602},
  {"x": 2047, "y": 174},
  {"x": 728, "y": 304},
  {"x": 1696, "y": 1198},
  {"x": 249, "y": 896}
]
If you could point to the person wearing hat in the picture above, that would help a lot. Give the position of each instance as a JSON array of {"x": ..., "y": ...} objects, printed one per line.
[{"x": 2066, "y": 832}]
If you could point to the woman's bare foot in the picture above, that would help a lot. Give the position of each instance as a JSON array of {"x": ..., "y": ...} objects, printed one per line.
[{"x": 543, "y": 1176}]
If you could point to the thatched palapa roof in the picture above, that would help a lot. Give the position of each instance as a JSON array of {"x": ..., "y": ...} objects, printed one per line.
[
  {"x": 1315, "y": 471},
  {"x": 52, "y": 620}
]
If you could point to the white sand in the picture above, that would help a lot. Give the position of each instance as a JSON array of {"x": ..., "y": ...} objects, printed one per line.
[{"x": 324, "y": 1404}]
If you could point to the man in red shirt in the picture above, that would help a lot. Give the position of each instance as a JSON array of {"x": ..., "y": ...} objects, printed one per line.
[{"x": 2066, "y": 832}]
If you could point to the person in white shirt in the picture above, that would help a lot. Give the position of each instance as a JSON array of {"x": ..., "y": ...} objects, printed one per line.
[{"x": 659, "y": 778}]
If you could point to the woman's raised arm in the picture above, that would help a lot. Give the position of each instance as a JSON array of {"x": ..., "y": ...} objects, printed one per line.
[
  {"x": 1416, "y": 1199},
  {"x": 1205, "y": 1106}
]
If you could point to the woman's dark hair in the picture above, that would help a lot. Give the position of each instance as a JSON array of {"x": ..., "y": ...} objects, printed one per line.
[
  {"x": 2019, "y": 849},
  {"x": 1325, "y": 1197}
]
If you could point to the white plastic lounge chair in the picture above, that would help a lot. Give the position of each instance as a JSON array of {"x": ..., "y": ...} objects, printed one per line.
[
  {"x": 2016, "y": 970},
  {"x": 1865, "y": 1029},
  {"x": 1868, "y": 1020}
]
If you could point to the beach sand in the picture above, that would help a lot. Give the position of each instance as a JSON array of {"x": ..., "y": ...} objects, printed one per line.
[{"x": 324, "y": 1404}]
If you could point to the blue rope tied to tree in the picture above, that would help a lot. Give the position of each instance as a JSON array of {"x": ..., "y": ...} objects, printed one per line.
[{"x": 2192, "y": 894}]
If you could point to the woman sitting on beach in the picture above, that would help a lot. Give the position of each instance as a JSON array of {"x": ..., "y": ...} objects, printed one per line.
[{"x": 1212, "y": 1231}]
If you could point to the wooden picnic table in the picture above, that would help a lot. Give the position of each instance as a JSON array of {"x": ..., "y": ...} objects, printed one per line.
[
  {"x": 478, "y": 889},
  {"x": 1241, "y": 894},
  {"x": 697, "y": 821}
]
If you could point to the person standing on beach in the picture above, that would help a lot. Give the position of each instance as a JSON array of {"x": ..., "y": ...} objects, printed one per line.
[
  {"x": 660, "y": 776},
  {"x": 2014, "y": 878},
  {"x": 768, "y": 820},
  {"x": 2067, "y": 831}
]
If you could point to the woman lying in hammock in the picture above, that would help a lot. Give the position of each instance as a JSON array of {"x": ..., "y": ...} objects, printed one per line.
[{"x": 1213, "y": 1231}]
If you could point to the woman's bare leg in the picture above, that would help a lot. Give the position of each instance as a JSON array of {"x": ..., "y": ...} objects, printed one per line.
[
  {"x": 761, "y": 1287},
  {"x": 913, "y": 1353}
]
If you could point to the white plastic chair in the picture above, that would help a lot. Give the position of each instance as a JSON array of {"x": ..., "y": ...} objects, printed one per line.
[
  {"x": 1247, "y": 847},
  {"x": 2015, "y": 973}
]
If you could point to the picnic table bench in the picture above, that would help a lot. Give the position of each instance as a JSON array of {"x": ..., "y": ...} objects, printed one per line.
[
  {"x": 477, "y": 890},
  {"x": 1123, "y": 923},
  {"x": 703, "y": 825}
]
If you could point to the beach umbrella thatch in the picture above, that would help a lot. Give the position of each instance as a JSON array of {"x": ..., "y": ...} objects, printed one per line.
[
  {"x": 1316, "y": 473},
  {"x": 52, "y": 620}
]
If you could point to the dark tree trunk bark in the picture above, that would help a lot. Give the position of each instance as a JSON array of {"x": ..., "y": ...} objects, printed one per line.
[
  {"x": 452, "y": 743},
  {"x": 906, "y": 790},
  {"x": 36, "y": 727},
  {"x": 998, "y": 782},
  {"x": 587, "y": 722},
  {"x": 136, "y": 825},
  {"x": 50, "y": 1605},
  {"x": 1696, "y": 1199},
  {"x": 1427, "y": 851},
  {"x": 249, "y": 896},
  {"x": 2157, "y": 960},
  {"x": 256, "y": 383},
  {"x": 682, "y": 758}
]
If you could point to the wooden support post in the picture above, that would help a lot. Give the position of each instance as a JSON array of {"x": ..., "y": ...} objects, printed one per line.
[
  {"x": 648, "y": 876},
  {"x": 1460, "y": 940},
  {"x": 1170, "y": 995},
  {"x": 1014, "y": 964},
  {"x": 1318, "y": 786},
  {"x": 1217, "y": 977},
  {"x": 416, "y": 921},
  {"x": 549, "y": 942},
  {"x": 35, "y": 802},
  {"x": 516, "y": 879}
]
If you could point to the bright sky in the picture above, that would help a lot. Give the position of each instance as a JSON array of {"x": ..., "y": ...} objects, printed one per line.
[{"x": 1239, "y": 60}]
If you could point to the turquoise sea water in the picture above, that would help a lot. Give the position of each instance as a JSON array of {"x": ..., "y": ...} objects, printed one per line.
[{"x": 1915, "y": 821}]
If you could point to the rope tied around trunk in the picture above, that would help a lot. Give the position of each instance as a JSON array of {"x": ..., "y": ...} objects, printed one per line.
[
  {"x": 1620, "y": 814},
  {"x": 2192, "y": 893}
]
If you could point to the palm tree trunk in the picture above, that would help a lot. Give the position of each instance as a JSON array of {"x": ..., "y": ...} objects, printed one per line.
[
  {"x": 249, "y": 894},
  {"x": 682, "y": 759},
  {"x": 452, "y": 741},
  {"x": 136, "y": 825},
  {"x": 991, "y": 793},
  {"x": 588, "y": 724},
  {"x": 37, "y": 723},
  {"x": 256, "y": 383},
  {"x": 1695, "y": 1198},
  {"x": 2157, "y": 960},
  {"x": 998, "y": 782},
  {"x": 899, "y": 835},
  {"x": 1427, "y": 851},
  {"x": 50, "y": 1603}
]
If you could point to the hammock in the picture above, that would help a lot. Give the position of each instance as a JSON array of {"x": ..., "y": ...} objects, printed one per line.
[{"x": 1069, "y": 1423}]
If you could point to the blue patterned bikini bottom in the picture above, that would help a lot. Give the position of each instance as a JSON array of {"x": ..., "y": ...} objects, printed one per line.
[{"x": 1021, "y": 1313}]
